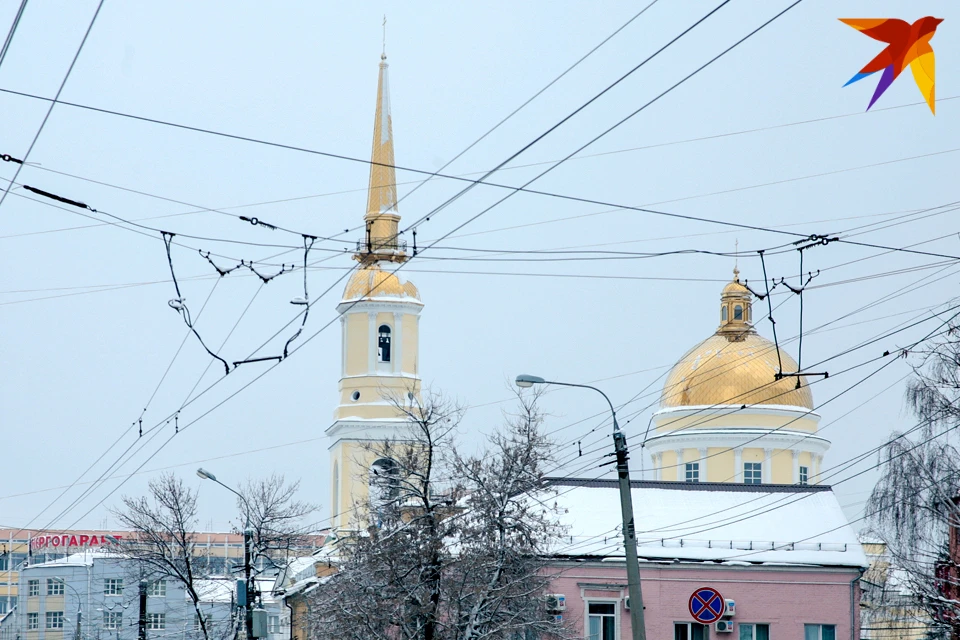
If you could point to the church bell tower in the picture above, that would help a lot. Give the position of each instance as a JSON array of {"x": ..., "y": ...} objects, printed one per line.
[{"x": 380, "y": 321}]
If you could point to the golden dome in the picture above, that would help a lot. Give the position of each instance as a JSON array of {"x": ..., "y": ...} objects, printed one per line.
[
  {"x": 720, "y": 371},
  {"x": 735, "y": 366},
  {"x": 370, "y": 281}
]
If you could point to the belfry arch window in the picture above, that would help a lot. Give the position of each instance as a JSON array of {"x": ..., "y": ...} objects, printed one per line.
[
  {"x": 383, "y": 343},
  {"x": 723, "y": 313},
  {"x": 384, "y": 480},
  {"x": 738, "y": 312}
]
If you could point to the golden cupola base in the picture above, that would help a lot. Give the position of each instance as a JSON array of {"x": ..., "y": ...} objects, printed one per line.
[
  {"x": 380, "y": 336},
  {"x": 726, "y": 417}
]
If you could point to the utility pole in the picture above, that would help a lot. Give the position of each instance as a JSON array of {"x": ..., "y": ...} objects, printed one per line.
[
  {"x": 76, "y": 634},
  {"x": 142, "y": 620},
  {"x": 629, "y": 534},
  {"x": 638, "y": 628},
  {"x": 251, "y": 589}
]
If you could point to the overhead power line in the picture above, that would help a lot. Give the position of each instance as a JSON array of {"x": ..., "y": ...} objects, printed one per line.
[{"x": 53, "y": 103}]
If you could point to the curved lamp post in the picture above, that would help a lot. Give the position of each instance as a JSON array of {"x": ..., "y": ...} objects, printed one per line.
[
  {"x": 626, "y": 505},
  {"x": 247, "y": 540}
]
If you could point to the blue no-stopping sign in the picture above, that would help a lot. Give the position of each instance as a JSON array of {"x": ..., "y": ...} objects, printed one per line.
[{"x": 706, "y": 605}]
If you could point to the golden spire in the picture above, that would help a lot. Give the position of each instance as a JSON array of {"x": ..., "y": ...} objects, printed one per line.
[{"x": 381, "y": 241}]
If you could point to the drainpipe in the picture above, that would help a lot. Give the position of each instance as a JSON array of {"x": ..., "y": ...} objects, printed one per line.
[
  {"x": 854, "y": 605},
  {"x": 287, "y": 605}
]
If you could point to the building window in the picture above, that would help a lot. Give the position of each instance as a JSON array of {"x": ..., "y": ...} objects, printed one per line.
[
  {"x": 819, "y": 632},
  {"x": 157, "y": 589},
  {"x": 723, "y": 313},
  {"x": 804, "y": 475},
  {"x": 113, "y": 586},
  {"x": 156, "y": 621},
  {"x": 54, "y": 619},
  {"x": 33, "y": 587},
  {"x": 602, "y": 621},
  {"x": 692, "y": 472},
  {"x": 384, "y": 480},
  {"x": 752, "y": 472},
  {"x": 112, "y": 619},
  {"x": 383, "y": 343},
  {"x": 273, "y": 624},
  {"x": 689, "y": 631},
  {"x": 751, "y": 631},
  {"x": 738, "y": 312},
  {"x": 54, "y": 586},
  {"x": 33, "y": 621}
]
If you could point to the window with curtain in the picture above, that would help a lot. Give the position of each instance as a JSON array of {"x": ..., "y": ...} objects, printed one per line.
[
  {"x": 819, "y": 632},
  {"x": 602, "y": 621},
  {"x": 754, "y": 631}
]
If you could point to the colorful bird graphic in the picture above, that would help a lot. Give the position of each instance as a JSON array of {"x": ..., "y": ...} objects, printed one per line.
[{"x": 906, "y": 44}]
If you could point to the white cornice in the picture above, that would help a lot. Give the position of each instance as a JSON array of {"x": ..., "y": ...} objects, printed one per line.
[
  {"x": 714, "y": 410},
  {"x": 410, "y": 306},
  {"x": 368, "y": 429},
  {"x": 737, "y": 437}
]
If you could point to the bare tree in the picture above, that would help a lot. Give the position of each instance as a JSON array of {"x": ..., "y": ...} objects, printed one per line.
[
  {"x": 162, "y": 542},
  {"x": 272, "y": 511},
  {"x": 914, "y": 505},
  {"x": 448, "y": 546}
]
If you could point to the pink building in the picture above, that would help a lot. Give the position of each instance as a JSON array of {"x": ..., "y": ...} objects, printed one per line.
[{"x": 784, "y": 559}]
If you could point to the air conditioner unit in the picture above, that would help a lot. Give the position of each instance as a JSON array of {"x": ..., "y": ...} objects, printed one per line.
[
  {"x": 729, "y": 608},
  {"x": 724, "y": 626},
  {"x": 558, "y": 618},
  {"x": 556, "y": 602},
  {"x": 626, "y": 603}
]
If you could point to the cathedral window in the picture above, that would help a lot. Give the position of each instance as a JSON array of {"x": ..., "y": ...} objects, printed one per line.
[
  {"x": 804, "y": 475},
  {"x": 692, "y": 472},
  {"x": 723, "y": 313},
  {"x": 384, "y": 480},
  {"x": 383, "y": 343},
  {"x": 336, "y": 488},
  {"x": 738, "y": 312},
  {"x": 355, "y": 396},
  {"x": 752, "y": 472}
]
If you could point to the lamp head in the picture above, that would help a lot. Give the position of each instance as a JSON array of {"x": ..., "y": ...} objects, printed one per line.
[
  {"x": 525, "y": 381},
  {"x": 206, "y": 475}
]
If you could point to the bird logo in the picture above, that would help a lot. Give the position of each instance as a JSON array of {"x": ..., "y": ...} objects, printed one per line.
[{"x": 907, "y": 44}]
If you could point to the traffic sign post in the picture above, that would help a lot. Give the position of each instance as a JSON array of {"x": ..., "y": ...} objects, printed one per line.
[{"x": 706, "y": 605}]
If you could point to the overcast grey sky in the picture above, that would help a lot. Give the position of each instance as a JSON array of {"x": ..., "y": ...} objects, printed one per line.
[{"x": 88, "y": 334}]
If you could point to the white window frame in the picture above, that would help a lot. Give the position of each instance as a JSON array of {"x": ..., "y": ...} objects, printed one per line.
[
  {"x": 804, "y": 474},
  {"x": 53, "y": 620},
  {"x": 691, "y": 472},
  {"x": 33, "y": 620},
  {"x": 819, "y": 629},
  {"x": 156, "y": 621},
  {"x": 689, "y": 626},
  {"x": 113, "y": 619},
  {"x": 55, "y": 587},
  {"x": 157, "y": 588},
  {"x": 753, "y": 626},
  {"x": 616, "y": 615},
  {"x": 273, "y": 624},
  {"x": 113, "y": 586},
  {"x": 33, "y": 588},
  {"x": 756, "y": 473}
]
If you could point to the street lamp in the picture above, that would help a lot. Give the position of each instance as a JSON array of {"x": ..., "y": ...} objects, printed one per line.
[
  {"x": 626, "y": 505},
  {"x": 79, "y": 605},
  {"x": 247, "y": 541}
]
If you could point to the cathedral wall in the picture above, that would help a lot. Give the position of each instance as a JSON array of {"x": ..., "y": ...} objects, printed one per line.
[
  {"x": 752, "y": 455},
  {"x": 720, "y": 464},
  {"x": 781, "y": 466},
  {"x": 410, "y": 343},
  {"x": 669, "y": 465},
  {"x": 357, "y": 344}
]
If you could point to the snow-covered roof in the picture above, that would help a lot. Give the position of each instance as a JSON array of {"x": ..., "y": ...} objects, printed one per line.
[
  {"x": 708, "y": 522},
  {"x": 82, "y": 559},
  {"x": 215, "y": 590}
]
